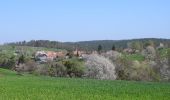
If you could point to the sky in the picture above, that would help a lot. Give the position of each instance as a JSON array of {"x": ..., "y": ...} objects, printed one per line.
[{"x": 82, "y": 20}]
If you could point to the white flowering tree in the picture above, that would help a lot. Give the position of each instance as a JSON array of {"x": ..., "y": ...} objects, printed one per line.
[{"x": 99, "y": 67}]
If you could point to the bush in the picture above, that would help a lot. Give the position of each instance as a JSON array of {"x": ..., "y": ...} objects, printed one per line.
[
  {"x": 60, "y": 70},
  {"x": 168, "y": 53},
  {"x": 149, "y": 53},
  {"x": 74, "y": 68},
  {"x": 57, "y": 69},
  {"x": 112, "y": 55},
  {"x": 7, "y": 61},
  {"x": 66, "y": 68},
  {"x": 19, "y": 68},
  {"x": 142, "y": 72},
  {"x": 29, "y": 66},
  {"x": 41, "y": 69},
  {"x": 135, "y": 70},
  {"x": 165, "y": 70},
  {"x": 99, "y": 67},
  {"x": 21, "y": 59},
  {"x": 122, "y": 65}
]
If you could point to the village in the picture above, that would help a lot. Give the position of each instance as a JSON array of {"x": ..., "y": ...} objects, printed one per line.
[
  {"x": 45, "y": 56},
  {"x": 149, "y": 59},
  {"x": 84, "y": 49}
]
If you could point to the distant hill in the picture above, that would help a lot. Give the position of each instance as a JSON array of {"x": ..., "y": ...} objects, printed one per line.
[
  {"x": 107, "y": 44},
  {"x": 88, "y": 45}
]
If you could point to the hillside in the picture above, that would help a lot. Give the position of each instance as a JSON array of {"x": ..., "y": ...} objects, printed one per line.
[
  {"x": 88, "y": 45},
  {"x": 29, "y": 87},
  {"x": 107, "y": 44}
]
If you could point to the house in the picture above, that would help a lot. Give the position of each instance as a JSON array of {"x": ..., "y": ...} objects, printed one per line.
[
  {"x": 41, "y": 56},
  {"x": 78, "y": 53},
  {"x": 61, "y": 54},
  {"x": 44, "y": 56},
  {"x": 161, "y": 46},
  {"x": 51, "y": 55}
]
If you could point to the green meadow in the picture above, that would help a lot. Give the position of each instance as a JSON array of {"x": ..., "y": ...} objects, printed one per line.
[{"x": 29, "y": 87}]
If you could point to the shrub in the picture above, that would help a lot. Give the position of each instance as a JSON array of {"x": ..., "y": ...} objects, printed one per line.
[
  {"x": 21, "y": 59},
  {"x": 165, "y": 70},
  {"x": 74, "y": 67},
  {"x": 41, "y": 69},
  {"x": 135, "y": 70},
  {"x": 149, "y": 53},
  {"x": 19, "y": 68},
  {"x": 30, "y": 66},
  {"x": 71, "y": 68},
  {"x": 56, "y": 69},
  {"x": 112, "y": 55},
  {"x": 7, "y": 61},
  {"x": 168, "y": 53},
  {"x": 10, "y": 62},
  {"x": 60, "y": 70},
  {"x": 122, "y": 64},
  {"x": 141, "y": 72},
  {"x": 99, "y": 67}
]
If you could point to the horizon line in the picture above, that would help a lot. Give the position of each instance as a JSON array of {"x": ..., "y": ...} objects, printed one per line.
[{"x": 82, "y": 40}]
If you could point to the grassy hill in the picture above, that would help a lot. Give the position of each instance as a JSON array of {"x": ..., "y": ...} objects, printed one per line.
[{"x": 28, "y": 87}]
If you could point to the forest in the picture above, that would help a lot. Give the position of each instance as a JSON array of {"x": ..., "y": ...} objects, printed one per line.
[{"x": 89, "y": 45}]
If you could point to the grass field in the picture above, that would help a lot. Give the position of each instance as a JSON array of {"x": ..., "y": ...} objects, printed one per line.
[
  {"x": 134, "y": 57},
  {"x": 28, "y": 87}
]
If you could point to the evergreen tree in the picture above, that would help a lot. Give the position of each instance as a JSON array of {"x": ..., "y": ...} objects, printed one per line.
[
  {"x": 113, "y": 47},
  {"x": 99, "y": 49},
  {"x": 21, "y": 59}
]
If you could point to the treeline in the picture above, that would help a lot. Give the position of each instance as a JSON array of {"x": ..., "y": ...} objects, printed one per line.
[
  {"x": 43, "y": 43},
  {"x": 120, "y": 44},
  {"x": 90, "y": 45}
]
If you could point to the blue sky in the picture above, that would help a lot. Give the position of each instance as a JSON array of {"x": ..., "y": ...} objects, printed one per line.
[{"x": 79, "y": 20}]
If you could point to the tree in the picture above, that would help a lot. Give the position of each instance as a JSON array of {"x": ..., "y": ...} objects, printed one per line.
[
  {"x": 99, "y": 49},
  {"x": 113, "y": 47},
  {"x": 11, "y": 62},
  {"x": 136, "y": 45},
  {"x": 60, "y": 70},
  {"x": 99, "y": 67},
  {"x": 149, "y": 43},
  {"x": 149, "y": 53},
  {"x": 21, "y": 59},
  {"x": 165, "y": 67},
  {"x": 169, "y": 56},
  {"x": 74, "y": 67}
]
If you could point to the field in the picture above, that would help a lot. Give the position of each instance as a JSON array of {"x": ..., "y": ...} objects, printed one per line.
[
  {"x": 28, "y": 87},
  {"x": 133, "y": 57}
]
